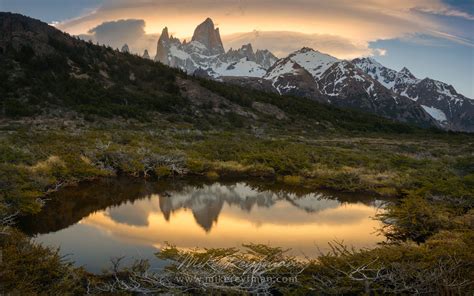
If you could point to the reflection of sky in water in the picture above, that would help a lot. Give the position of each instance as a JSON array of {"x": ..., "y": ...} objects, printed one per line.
[{"x": 215, "y": 216}]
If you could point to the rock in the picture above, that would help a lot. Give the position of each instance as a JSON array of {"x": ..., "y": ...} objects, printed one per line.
[
  {"x": 162, "y": 49},
  {"x": 269, "y": 109},
  {"x": 265, "y": 58},
  {"x": 209, "y": 36}
]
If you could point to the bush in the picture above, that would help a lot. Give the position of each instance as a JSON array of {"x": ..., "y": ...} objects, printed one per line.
[
  {"x": 414, "y": 218},
  {"x": 346, "y": 181},
  {"x": 292, "y": 180},
  {"x": 163, "y": 171},
  {"x": 212, "y": 175},
  {"x": 30, "y": 269}
]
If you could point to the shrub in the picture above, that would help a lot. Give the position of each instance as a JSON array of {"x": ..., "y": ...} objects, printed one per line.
[
  {"x": 30, "y": 269},
  {"x": 347, "y": 181},
  {"x": 292, "y": 180},
  {"x": 162, "y": 171},
  {"x": 414, "y": 218},
  {"x": 212, "y": 175},
  {"x": 196, "y": 166}
]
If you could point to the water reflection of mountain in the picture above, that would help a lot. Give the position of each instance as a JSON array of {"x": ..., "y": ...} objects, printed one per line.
[
  {"x": 206, "y": 203},
  {"x": 131, "y": 201}
]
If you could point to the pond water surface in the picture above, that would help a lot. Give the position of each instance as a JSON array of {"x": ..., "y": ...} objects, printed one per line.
[{"x": 96, "y": 221}]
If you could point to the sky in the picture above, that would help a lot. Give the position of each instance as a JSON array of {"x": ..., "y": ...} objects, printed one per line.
[{"x": 433, "y": 38}]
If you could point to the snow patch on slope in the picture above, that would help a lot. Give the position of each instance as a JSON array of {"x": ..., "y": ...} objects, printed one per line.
[
  {"x": 280, "y": 69},
  {"x": 435, "y": 113},
  {"x": 315, "y": 62},
  {"x": 241, "y": 68}
]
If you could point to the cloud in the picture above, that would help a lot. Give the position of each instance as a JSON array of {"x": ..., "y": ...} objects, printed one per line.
[
  {"x": 117, "y": 33},
  {"x": 379, "y": 51},
  {"x": 445, "y": 11},
  {"x": 454, "y": 38},
  {"x": 345, "y": 23},
  {"x": 282, "y": 43}
]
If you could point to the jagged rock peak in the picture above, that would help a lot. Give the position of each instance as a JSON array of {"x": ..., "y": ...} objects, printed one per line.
[
  {"x": 125, "y": 48},
  {"x": 366, "y": 61},
  {"x": 164, "y": 35},
  {"x": 247, "y": 47},
  {"x": 162, "y": 48},
  {"x": 209, "y": 36},
  {"x": 306, "y": 49},
  {"x": 407, "y": 72},
  {"x": 309, "y": 50},
  {"x": 246, "y": 51},
  {"x": 265, "y": 58},
  {"x": 146, "y": 55}
]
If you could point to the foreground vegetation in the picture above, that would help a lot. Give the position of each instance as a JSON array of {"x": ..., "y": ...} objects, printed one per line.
[{"x": 429, "y": 231}]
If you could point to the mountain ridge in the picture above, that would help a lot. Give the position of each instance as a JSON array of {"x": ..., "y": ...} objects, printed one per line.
[
  {"x": 387, "y": 93},
  {"x": 451, "y": 109}
]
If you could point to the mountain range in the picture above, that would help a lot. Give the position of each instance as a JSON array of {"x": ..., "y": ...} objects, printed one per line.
[
  {"x": 362, "y": 83},
  {"x": 47, "y": 71}
]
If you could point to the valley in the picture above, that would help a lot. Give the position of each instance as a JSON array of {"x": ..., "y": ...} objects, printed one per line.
[{"x": 104, "y": 146}]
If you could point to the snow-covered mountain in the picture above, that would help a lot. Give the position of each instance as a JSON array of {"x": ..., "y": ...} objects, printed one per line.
[
  {"x": 319, "y": 76},
  {"x": 362, "y": 84},
  {"x": 205, "y": 54},
  {"x": 290, "y": 78},
  {"x": 450, "y": 109}
]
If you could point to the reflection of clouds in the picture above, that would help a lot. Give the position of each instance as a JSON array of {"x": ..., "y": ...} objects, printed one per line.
[
  {"x": 302, "y": 232},
  {"x": 240, "y": 202},
  {"x": 133, "y": 213},
  {"x": 314, "y": 202},
  {"x": 284, "y": 213}
]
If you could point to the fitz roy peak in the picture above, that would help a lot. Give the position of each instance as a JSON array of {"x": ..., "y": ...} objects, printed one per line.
[
  {"x": 205, "y": 54},
  {"x": 209, "y": 36}
]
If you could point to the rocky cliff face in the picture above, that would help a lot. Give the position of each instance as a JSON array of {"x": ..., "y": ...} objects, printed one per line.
[
  {"x": 245, "y": 52},
  {"x": 209, "y": 36},
  {"x": 265, "y": 58}
]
